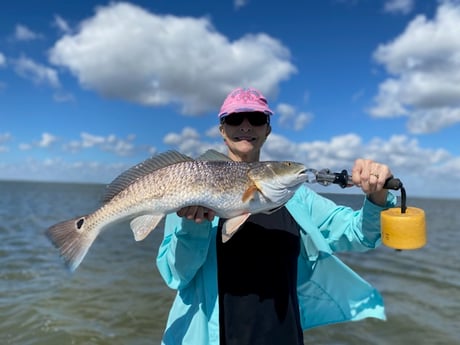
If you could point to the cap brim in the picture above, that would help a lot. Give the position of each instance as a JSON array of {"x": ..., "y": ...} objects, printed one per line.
[{"x": 255, "y": 109}]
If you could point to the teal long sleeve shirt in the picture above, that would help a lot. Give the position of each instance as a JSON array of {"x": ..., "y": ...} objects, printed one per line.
[{"x": 327, "y": 289}]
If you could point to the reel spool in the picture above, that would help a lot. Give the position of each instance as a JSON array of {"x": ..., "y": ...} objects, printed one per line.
[{"x": 402, "y": 228}]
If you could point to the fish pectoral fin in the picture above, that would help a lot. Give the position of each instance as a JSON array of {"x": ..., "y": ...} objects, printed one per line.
[
  {"x": 143, "y": 225},
  {"x": 249, "y": 193},
  {"x": 232, "y": 225}
]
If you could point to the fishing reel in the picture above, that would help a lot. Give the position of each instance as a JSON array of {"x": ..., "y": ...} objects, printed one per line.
[{"x": 402, "y": 228}]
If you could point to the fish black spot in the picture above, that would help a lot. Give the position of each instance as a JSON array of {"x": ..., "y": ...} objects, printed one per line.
[{"x": 80, "y": 223}]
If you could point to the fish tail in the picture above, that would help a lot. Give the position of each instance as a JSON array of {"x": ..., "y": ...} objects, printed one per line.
[{"x": 72, "y": 240}]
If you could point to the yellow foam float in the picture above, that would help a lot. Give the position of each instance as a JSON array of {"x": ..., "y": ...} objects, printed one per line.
[
  {"x": 403, "y": 230},
  {"x": 405, "y": 227}
]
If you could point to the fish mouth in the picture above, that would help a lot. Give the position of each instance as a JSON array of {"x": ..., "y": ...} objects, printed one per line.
[{"x": 303, "y": 175}]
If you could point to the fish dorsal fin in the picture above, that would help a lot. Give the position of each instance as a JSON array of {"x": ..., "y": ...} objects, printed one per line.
[
  {"x": 142, "y": 169},
  {"x": 213, "y": 155}
]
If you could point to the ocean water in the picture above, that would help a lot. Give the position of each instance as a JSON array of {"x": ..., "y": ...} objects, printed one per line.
[{"x": 117, "y": 296}]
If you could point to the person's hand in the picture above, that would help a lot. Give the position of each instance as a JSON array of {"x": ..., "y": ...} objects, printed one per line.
[
  {"x": 197, "y": 213},
  {"x": 371, "y": 177}
]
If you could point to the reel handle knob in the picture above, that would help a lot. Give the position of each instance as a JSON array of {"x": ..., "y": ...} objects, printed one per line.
[{"x": 393, "y": 183}]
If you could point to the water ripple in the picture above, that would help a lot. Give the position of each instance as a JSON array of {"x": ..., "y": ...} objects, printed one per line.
[{"x": 118, "y": 297}]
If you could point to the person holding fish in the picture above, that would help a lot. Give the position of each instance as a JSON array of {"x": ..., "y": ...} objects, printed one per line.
[{"x": 265, "y": 278}]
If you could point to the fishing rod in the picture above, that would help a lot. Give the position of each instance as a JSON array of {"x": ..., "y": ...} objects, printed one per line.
[
  {"x": 400, "y": 230},
  {"x": 325, "y": 177}
]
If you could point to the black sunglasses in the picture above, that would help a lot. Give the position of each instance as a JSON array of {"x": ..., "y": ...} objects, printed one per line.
[{"x": 255, "y": 119}]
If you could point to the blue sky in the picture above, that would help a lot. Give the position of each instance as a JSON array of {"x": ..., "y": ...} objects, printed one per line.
[{"x": 89, "y": 88}]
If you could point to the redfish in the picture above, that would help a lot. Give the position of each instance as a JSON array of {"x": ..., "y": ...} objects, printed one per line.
[{"x": 169, "y": 181}]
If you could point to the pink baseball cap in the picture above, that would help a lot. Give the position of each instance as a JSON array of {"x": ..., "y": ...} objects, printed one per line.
[{"x": 243, "y": 100}]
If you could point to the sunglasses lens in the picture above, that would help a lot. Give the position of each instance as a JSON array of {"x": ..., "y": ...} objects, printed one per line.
[
  {"x": 255, "y": 119},
  {"x": 258, "y": 119},
  {"x": 234, "y": 119}
]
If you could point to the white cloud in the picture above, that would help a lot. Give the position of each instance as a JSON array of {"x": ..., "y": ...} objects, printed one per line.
[
  {"x": 25, "y": 146},
  {"x": 213, "y": 132},
  {"x": 278, "y": 147},
  {"x": 432, "y": 120},
  {"x": 424, "y": 64},
  {"x": 23, "y": 33},
  {"x": 62, "y": 97},
  {"x": 399, "y": 6},
  {"x": 190, "y": 142},
  {"x": 337, "y": 154},
  {"x": 119, "y": 147},
  {"x": 288, "y": 117},
  {"x": 47, "y": 140},
  {"x": 110, "y": 143},
  {"x": 401, "y": 152},
  {"x": 240, "y": 3},
  {"x": 58, "y": 169},
  {"x": 62, "y": 24},
  {"x": 125, "y": 52},
  {"x": 39, "y": 74},
  {"x": 4, "y": 138},
  {"x": 90, "y": 140},
  {"x": 424, "y": 172},
  {"x": 2, "y": 60}
]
